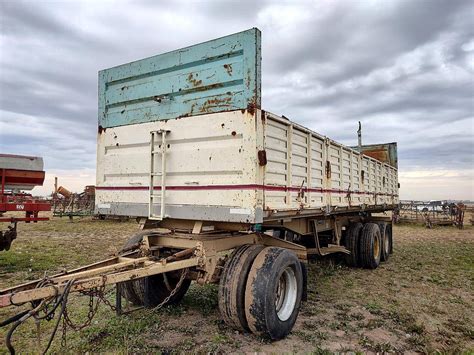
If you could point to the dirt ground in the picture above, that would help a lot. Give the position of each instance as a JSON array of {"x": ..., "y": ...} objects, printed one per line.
[{"x": 421, "y": 300}]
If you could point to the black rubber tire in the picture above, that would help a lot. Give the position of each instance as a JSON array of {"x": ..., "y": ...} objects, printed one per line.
[
  {"x": 352, "y": 244},
  {"x": 152, "y": 290},
  {"x": 232, "y": 285},
  {"x": 158, "y": 287},
  {"x": 260, "y": 292},
  {"x": 385, "y": 253},
  {"x": 370, "y": 246},
  {"x": 127, "y": 288},
  {"x": 389, "y": 232}
]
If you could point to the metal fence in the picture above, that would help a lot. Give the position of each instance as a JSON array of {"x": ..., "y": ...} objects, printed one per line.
[{"x": 430, "y": 213}]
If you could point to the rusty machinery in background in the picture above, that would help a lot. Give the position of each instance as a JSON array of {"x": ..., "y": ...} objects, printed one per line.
[
  {"x": 18, "y": 174},
  {"x": 441, "y": 213},
  {"x": 67, "y": 203}
]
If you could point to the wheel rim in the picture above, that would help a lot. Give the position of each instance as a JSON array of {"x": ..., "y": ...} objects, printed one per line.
[
  {"x": 386, "y": 243},
  {"x": 286, "y": 294}
]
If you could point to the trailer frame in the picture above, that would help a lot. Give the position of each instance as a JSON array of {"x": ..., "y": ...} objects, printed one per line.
[{"x": 194, "y": 248}]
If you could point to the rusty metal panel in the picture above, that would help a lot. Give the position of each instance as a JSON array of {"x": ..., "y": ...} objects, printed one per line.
[
  {"x": 386, "y": 153},
  {"x": 219, "y": 75}
]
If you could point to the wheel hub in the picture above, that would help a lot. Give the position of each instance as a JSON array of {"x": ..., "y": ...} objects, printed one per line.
[{"x": 286, "y": 294}]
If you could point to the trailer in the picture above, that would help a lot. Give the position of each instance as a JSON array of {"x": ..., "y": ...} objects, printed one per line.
[
  {"x": 225, "y": 191},
  {"x": 19, "y": 173}
]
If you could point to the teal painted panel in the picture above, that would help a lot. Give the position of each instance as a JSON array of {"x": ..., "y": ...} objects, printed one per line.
[{"x": 219, "y": 75}]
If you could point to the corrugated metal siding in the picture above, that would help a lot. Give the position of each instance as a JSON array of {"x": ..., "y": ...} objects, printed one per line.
[
  {"x": 306, "y": 170},
  {"x": 218, "y": 75}
]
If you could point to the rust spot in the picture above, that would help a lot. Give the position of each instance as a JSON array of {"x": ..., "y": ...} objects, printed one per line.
[
  {"x": 101, "y": 129},
  {"x": 193, "y": 106},
  {"x": 193, "y": 81},
  {"x": 184, "y": 115},
  {"x": 251, "y": 108},
  {"x": 216, "y": 102},
  {"x": 262, "y": 157},
  {"x": 328, "y": 169},
  {"x": 208, "y": 87},
  {"x": 228, "y": 67}
]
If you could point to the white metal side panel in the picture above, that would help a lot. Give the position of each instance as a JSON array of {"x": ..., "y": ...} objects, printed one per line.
[
  {"x": 308, "y": 171},
  {"x": 356, "y": 179},
  {"x": 335, "y": 159},
  {"x": 318, "y": 174},
  {"x": 215, "y": 171},
  {"x": 211, "y": 167},
  {"x": 299, "y": 167},
  {"x": 276, "y": 170}
]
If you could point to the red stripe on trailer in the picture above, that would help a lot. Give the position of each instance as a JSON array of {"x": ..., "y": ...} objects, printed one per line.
[{"x": 242, "y": 187}]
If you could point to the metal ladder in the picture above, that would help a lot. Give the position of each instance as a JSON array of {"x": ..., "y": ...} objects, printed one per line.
[{"x": 162, "y": 150}]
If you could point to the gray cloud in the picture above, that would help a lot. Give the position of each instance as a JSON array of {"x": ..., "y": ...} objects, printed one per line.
[{"x": 404, "y": 68}]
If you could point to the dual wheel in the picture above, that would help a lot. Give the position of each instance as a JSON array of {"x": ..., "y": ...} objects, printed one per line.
[
  {"x": 369, "y": 244},
  {"x": 260, "y": 290}
]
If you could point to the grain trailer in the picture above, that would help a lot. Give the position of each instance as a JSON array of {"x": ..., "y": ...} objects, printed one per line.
[{"x": 225, "y": 191}]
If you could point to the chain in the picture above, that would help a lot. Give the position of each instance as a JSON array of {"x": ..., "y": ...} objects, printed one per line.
[
  {"x": 107, "y": 302},
  {"x": 63, "y": 336},
  {"x": 143, "y": 252},
  {"x": 97, "y": 293},
  {"x": 172, "y": 293}
]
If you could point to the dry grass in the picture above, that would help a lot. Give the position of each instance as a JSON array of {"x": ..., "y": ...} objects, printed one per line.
[{"x": 419, "y": 301}]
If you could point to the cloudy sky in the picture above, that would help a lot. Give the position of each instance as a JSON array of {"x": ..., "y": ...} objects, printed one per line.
[{"x": 403, "y": 68}]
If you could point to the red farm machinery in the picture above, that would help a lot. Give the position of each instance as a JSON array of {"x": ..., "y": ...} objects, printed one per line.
[{"x": 19, "y": 174}]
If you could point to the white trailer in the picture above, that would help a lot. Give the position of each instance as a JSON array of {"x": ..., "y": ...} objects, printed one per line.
[{"x": 226, "y": 192}]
